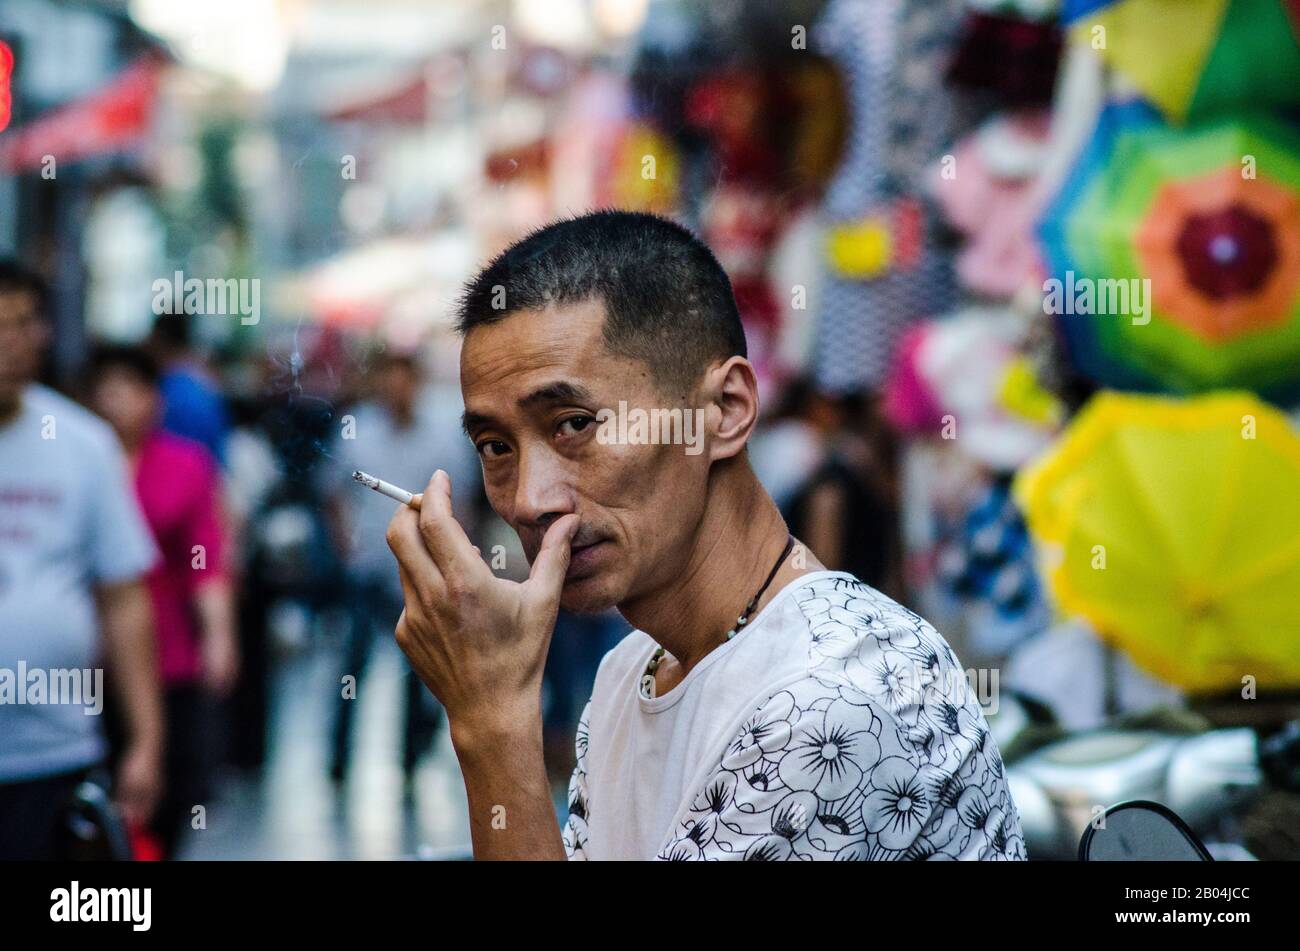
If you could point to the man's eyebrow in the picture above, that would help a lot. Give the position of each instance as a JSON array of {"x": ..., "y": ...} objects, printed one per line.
[
  {"x": 472, "y": 421},
  {"x": 560, "y": 391}
]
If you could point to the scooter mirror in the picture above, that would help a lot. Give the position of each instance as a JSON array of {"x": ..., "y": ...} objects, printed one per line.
[{"x": 1141, "y": 831}]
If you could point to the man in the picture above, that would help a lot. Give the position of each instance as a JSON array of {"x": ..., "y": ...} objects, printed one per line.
[
  {"x": 73, "y": 555},
  {"x": 398, "y": 432},
  {"x": 764, "y": 708}
]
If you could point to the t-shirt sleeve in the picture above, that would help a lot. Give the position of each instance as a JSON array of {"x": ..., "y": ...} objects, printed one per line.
[
  {"x": 121, "y": 547},
  {"x": 574, "y": 832},
  {"x": 822, "y": 771}
]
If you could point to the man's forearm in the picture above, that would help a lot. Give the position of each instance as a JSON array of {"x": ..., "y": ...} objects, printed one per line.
[
  {"x": 511, "y": 815},
  {"x": 127, "y": 620}
]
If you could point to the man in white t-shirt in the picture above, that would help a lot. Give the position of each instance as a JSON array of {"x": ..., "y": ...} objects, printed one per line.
[
  {"x": 74, "y": 550},
  {"x": 764, "y": 708}
]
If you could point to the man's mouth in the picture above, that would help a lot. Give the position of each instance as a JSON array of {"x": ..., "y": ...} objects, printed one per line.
[{"x": 583, "y": 559}]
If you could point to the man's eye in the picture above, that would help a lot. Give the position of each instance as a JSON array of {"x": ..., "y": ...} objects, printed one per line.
[
  {"x": 576, "y": 423},
  {"x": 492, "y": 448}
]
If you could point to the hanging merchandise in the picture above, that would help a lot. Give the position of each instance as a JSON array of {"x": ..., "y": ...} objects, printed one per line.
[
  {"x": 1194, "y": 58},
  {"x": 728, "y": 107},
  {"x": 883, "y": 266},
  {"x": 1011, "y": 50},
  {"x": 910, "y": 404},
  {"x": 986, "y": 189},
  {"x": 989, "y": 568},
  {"x": 1173, "y": 527},
  {"x": 740, "y": 224},
  {"x": 1174, "y": 254},
  {"x": 970, "y": 372},
  {"x": 587, "y": 134},
  {"x": 644, "y": 173}
]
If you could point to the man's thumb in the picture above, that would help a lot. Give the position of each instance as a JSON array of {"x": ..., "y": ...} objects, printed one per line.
[{"x": 552, "y": 562}]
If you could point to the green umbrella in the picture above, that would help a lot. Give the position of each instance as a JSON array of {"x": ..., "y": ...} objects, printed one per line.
[{"x": 1183, "y": 246}]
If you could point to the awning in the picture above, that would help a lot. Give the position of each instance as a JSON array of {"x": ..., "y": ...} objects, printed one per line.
[{"x": 109, "y": 120}]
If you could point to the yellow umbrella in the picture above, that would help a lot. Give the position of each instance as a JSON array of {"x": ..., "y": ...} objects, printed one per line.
[{"x": 1173, "y": 526}]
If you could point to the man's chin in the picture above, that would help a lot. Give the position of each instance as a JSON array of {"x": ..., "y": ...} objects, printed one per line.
[{"x": 587, "y": 596}]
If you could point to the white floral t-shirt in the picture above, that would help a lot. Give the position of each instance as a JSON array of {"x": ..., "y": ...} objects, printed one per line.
[{"x": 836, "y": 725}]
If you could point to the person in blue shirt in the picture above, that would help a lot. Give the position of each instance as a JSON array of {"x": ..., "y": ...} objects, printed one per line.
[{"x": 193, "y": 405}]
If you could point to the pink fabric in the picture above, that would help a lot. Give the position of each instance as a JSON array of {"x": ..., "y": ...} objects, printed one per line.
[
  {"x": 178, "y": 487},
  {"x": 910, "y": 403},
  {"x": 995, "y": 213}
]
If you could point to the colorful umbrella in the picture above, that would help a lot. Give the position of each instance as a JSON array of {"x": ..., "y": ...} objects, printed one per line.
[
  {"x": 1209, "y": 215},
  {"x": 1196, "y": 57},
  {"x": 1173, "y": 527}
]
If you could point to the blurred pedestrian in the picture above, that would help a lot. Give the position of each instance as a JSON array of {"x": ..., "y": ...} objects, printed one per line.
[
  {"x": 178, "y": 487},
  {"x": 402, "y": 433},
  {"x": 193, "y": 405},
  {"x": 846, "y": 508},
  {"x": 74, "y": 551},
  {"x": 793, "y": 441}
]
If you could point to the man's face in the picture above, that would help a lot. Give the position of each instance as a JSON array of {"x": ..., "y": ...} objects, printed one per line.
[
  {"x": 533, "y": 384},
  {"x": 22, "y": 339}
]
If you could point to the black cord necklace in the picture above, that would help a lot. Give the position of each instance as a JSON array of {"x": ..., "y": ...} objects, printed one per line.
[{"x": 648, "y": 678}]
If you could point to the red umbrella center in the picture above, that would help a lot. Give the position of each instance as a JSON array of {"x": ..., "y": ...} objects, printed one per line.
[{"x": 1227, "y": 253}]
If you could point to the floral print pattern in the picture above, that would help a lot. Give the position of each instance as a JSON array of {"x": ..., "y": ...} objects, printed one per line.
[{"x": 880, "y": 752}]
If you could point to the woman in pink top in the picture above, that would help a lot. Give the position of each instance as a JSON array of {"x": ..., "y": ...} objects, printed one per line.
[{"x": 178, "y": 486}]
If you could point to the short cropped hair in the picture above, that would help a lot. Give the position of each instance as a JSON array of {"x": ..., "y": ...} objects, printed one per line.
[{"x": 667, "y": 300}]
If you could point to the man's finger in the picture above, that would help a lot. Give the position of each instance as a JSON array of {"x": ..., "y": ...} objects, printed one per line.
[
  {"x": 446, "y": 540},
  {"x": 546, "y": 577},
  {"x": 413, "y": 558}
]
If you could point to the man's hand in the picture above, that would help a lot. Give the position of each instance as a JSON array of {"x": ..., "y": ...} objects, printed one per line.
[
  {"x": 127, "y": 621},
  {"x": 139, "y": 783},
  {"x": 478, "y": 641}
]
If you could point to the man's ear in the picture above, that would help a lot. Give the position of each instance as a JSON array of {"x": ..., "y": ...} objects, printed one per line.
[{"x": 732, "y": 411}]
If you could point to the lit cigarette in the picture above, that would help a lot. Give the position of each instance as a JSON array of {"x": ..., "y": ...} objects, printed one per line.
[{"x": 387, "y": 488}]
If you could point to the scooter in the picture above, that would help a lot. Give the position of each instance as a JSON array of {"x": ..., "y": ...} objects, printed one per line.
[{"x": 1211, "y": 778}]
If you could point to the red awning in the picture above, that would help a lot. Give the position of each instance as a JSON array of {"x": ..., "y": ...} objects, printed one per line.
[{"x": 105, "y": 121}]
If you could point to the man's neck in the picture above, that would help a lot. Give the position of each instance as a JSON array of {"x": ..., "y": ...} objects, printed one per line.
[
  {"x": 10, "y": 408},
  {"x": 739, "y": 539}
]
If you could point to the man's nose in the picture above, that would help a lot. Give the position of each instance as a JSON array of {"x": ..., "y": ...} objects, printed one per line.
[{"x": 544, "y": 491}]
